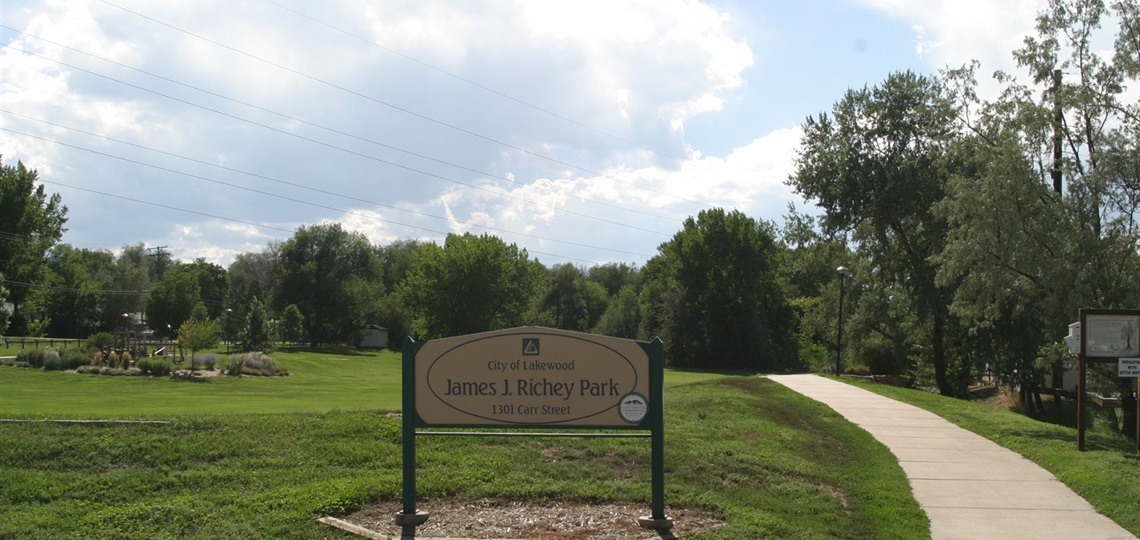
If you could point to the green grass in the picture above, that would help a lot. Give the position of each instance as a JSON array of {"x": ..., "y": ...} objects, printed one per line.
[
  {"x": 772, "y": 463},
  {"x": 1107, "y": 474},
  {"x": 322, "y": 380}
]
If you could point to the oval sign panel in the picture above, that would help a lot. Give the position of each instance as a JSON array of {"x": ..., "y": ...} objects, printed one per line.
[{"x": 531, "y": 376}]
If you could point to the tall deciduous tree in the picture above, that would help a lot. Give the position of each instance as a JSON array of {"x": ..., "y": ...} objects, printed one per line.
[
  {"x": 251, "y": 275},
  {"x": 131, "y": 278},
  {"x": 213, "y": 285},
  {"x": 333, "y": 276},
  {"x": 1028, "y": 257},
  {"x": 470, "y": 284},
  {"x": 622, "y": 317},
  {"x": 74, "y": 302},
  {"x": 31, "y": 222},
  {"x": 570, "y": 300},
  {"x": 171, "y": 300},
  {"x": 876, "y": 166},
  {"x": 717, "y": 295}
]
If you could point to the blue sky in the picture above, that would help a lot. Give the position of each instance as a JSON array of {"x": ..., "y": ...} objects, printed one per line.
[{"x": 585, "y": 131}]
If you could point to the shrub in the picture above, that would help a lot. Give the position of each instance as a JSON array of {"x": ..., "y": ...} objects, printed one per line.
[
  {"x": 234, "y": 364},
  {"x": 254, "y": 363},
  {"x": 76, "y": 358},
  {"x": 54, "y": 362},
  {"x": 101, "y": 340},
  {"x": 89, "y": 369},
  {"x": 204, "y": 361},
  {"x": 112, "y": 359},
  {"x": 33, "y": 357},
  {"x": 125, "y": 360},
  {"x": 154, "y": 365}
]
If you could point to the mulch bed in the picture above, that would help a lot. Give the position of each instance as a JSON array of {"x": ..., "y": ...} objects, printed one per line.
[{"x": 534, "y": 520}]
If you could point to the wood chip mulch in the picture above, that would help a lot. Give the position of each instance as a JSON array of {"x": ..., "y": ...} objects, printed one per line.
[{"x": 533, "y": 520}]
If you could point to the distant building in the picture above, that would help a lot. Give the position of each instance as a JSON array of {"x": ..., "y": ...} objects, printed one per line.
[{"x": 373, "y": 337}]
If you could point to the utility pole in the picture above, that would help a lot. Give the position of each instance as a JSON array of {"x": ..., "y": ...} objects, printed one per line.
[
  {"x": 159, "y": 261},
  {"x": 1058, "y": 118}
]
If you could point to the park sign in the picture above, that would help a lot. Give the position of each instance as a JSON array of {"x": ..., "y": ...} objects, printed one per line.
[
  {"x": 534, "y": 377},
  {"x": 530, "y": 377}
]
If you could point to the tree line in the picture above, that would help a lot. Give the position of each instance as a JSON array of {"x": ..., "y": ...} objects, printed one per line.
[
  {"x": 714, "y": 290},
  {"x": 974, "y": 230}
]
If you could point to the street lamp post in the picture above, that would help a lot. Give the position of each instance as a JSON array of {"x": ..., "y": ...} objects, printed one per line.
[
  {"x": 226, "y": 329},
  {"x": 843, "y": 271}
]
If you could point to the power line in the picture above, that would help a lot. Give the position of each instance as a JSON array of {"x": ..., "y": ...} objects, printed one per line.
[
  {"x": 476, "y": 84},
  {"x": 302, "y": 121},
  {"x": 300, "y": 186},
  {"x": 309, "y": 203},
  {"x": 334, "y": 147},
  {"x": 400, "y": 109},
  {"x": 107, "y": 292}
]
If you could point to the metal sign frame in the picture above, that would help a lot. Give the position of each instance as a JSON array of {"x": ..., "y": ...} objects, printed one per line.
[{"x": 653, "y": 422}]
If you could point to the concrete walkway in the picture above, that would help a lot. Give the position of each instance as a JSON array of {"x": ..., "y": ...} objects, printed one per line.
[{"x": 970, "y": 487}]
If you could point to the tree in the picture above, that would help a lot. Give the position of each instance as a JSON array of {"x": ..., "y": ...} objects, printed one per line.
[
  {"x": 396, "y": 260},
  {"x": 471, "y": 284},
  {"x": 251, "y": 275},
  {"x": 333, "y": 276},
  {"x": 614, "y": 276},
  {"x": 1027, "y": 249},
  {"x": 813, "y": 289},
  {"x": 171, "y": 300},
  {"x": 572, "y": 302},
  {"x": 213, "y": 285},
  {"x": 131, "y": 273},
  {"x": 74, "y": 300},
  {"x": 719, "y": 297},
  {"x": 876, "y": 166},
  {"x": 5, "y": 307},
  {"x": 31, "y": 222},
  {"x": 199, "y": 332},
  {"x": 622, "y": 317},
  {"x": 292, "y": 323},
  {"x": 256, "y": 333}
]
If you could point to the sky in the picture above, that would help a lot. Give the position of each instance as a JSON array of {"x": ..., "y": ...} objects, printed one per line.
[{"x": 584, "y": 131}]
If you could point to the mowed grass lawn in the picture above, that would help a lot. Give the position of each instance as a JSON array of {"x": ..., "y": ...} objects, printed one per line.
[
  {"x": 264, "y": 458},
  {"x": 321, "y": 380}
]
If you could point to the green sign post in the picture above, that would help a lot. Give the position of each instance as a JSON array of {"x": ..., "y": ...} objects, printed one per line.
[{"x": 534, "y": 377}]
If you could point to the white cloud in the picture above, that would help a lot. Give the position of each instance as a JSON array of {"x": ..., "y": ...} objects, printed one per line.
[
  {"x": 636, "y": 69},
  {"x": 951, "y": 33}
]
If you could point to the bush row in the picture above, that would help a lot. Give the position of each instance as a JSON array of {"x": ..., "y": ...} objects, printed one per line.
[
  {"x": 113, "y": 363},
  {"x": 154, "y": 365},
  {"x": 53, "y": 360},
  {"x": 105, "y": 370},
  {"x": 253, "y": 363}
]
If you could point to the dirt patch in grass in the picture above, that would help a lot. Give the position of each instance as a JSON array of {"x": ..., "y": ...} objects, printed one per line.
[{"x": 534, "y": 520}]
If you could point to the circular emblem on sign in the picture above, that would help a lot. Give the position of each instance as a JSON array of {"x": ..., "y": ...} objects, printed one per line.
[{"x": 633, "y": 407}]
